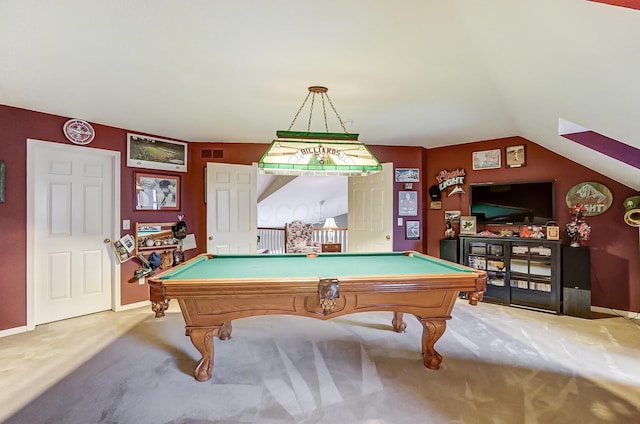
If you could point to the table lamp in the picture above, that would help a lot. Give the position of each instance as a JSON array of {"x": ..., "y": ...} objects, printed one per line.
[{"x": 330, "y": 224}]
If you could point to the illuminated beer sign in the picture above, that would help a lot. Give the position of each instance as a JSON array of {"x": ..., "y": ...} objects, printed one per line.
[{"x": 450, "y": 178}]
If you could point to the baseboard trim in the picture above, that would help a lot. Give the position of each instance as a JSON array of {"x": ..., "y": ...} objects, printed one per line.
[
  {"x": 12, "y": 331},
  {"x": 625, "y": 314},
  {"x": 133, "y": 306}
]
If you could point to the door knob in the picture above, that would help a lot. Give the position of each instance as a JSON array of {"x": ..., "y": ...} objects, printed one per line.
[
  {"x": 388, "y": 237},
  {"x": 107, "y": 241},
  {"x": 210, "y": 237}
]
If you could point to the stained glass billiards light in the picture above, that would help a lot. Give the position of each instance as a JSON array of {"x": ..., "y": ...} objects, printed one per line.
[{"x": 318, "y": 153}]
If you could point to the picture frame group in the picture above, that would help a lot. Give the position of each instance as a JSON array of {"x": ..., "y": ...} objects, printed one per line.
[{"x": 515, "y": 157}]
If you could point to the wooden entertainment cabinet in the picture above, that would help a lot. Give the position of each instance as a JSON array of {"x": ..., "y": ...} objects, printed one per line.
[{"x": 521, "y": 271}]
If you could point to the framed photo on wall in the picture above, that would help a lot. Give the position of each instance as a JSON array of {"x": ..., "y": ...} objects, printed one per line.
[
  {"x": 157, "y": 192},
  {"x": 412, "y": 230},
  {"x": 515, "y": 156},
  {"x": 452, "y": 216},
  {"x": 408, "y": 203},
  {"x": 156, "y": 153},
  {"x": 486, "y": 159},
  {"x": 407, "y": 175},
  {"x": 468, "y": 225}
]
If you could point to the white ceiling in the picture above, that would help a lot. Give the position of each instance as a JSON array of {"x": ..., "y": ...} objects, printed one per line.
[{"x": 413, "y": 72}]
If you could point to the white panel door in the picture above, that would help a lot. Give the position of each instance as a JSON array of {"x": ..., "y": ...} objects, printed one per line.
[
  {"x": 72, "y": 202},
  {"x": 371, "y": 212},
  {"x": 231, "y": 208}
]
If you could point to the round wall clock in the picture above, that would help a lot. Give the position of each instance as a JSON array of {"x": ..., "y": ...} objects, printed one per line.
[{"x": 78, "y": 131}]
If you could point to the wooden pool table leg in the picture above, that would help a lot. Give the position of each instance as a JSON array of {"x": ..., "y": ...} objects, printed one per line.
[
  {"x": 432, "y": 330},
  {"x": 225, "y": 331},
  {"x": 202, "y": 339},
  {"x": 398, "y": 324}
]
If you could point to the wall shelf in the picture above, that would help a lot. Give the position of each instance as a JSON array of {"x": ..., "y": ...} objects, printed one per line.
[{"x": 155, "y": 237}]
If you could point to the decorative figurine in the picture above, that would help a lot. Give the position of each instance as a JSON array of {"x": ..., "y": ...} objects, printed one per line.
[{"x": 449, "y": 232}]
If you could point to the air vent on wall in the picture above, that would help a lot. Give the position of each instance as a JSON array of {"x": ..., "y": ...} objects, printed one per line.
[{"x": 211, "y": 153}]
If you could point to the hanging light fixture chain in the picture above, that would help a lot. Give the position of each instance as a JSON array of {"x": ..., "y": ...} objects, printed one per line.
[
  {"x": 313, "y": 100},
  {"x": 323, "y": 93},
  {"x": 337, "y": 115},
  {"x": 299, "y": 110},
  {"x": 324, "y": 112}
]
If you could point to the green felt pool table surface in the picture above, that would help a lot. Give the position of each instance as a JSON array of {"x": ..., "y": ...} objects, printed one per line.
[{"x": 226, "y": 267}]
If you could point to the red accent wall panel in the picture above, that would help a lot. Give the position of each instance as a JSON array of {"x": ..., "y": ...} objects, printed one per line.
[
  {"x": 631, "y": 4},
  {"x": 608, "y": 146}
]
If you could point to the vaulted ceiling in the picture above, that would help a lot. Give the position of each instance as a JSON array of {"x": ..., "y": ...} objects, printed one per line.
[{"x": 415, "y": 72}]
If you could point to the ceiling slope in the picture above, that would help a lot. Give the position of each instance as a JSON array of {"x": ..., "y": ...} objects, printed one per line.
[{"x": 418, "y": 72}]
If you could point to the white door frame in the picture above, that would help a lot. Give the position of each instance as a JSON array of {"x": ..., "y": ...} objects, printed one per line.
[{"x": 33, "y": 144}]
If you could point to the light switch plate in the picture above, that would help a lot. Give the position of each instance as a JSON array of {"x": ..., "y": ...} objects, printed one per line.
[{"x": 126, "y": 224}]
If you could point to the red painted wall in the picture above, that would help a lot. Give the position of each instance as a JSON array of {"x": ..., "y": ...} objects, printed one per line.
[
  {"x": 615, "y": 256},
  {"x": 248, "y": 153},
  {"x": 16, "y": 126}
]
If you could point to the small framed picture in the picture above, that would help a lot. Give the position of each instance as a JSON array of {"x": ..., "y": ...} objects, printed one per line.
[
  {"x": 407, "y": 175},
  {"x": 452, "y": 216},
  {"x": 553, "y": 231},
  {"x": 486, "y": 159},
  {"x": 515, "y": 156},
  {"x": 435, "y": 205},
  {"x": 408, "y": 203},
  {"x": 412, "y": 230},
  {"x": 157, "y": 192},
  {"x": 468, "y": 225}
]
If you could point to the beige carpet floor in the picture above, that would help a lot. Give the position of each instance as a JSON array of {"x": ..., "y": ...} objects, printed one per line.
[{"x": 501, "y": 365}]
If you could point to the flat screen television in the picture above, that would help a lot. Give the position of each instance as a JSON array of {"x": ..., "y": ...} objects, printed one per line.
[{"x": 523, "y": 203}]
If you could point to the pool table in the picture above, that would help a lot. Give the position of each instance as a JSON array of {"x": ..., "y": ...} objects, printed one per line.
[{"x": 213, "y": 290}]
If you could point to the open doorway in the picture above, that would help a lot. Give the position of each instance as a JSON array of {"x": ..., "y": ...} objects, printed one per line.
[{"x": 311, "y": 199}]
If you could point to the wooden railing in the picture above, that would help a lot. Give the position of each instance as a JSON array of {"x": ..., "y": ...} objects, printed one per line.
[{"x": 271, "y": 240}]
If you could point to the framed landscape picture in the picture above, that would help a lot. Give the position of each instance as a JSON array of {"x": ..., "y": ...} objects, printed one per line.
[
  {"x": 486, "y": 159},
  {"x": 407, "y": 175},
  {"x": 156, "y": 153}
]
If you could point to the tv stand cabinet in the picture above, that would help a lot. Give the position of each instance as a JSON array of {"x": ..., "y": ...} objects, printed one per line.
[{"x": 520, "y": 271}]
